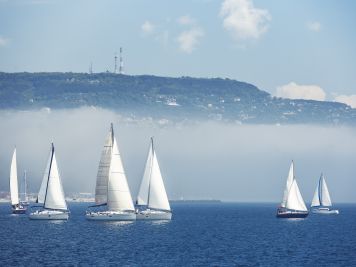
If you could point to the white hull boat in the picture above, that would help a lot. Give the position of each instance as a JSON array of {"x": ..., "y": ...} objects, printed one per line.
[
  {"x": 326, "y": 211},
  {"x": 112, "y": 190},
  {"x": 152, "y": 201},
  {"x": 51, "y": 194},
  {"x": 49, "y": 215},
  {"x": 153, "y": 215},
  {"x": 111, "y": 216},
  {"x": 321, "y": 203}
]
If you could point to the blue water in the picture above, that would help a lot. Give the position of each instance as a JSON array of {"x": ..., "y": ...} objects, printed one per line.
[{"x": 199, "y": 235}]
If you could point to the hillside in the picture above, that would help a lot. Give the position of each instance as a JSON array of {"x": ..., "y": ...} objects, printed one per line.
[{"x": 163, "y": 97}]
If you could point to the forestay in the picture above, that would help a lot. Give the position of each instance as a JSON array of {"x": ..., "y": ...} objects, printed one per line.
[{"x": 42, "y": 193}]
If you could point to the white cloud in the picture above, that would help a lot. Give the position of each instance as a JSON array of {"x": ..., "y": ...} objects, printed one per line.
[
  {"x": 188, "y": 40},
  {"x": 295, "y": 91},
  {"x": 314, "y": 26},
  {"x": 3, "y": 41},
  {"x": 243, "y": 20},
  {"x": 346, "y": 99},
  {"x": 186, "y": 20},
  {"x": 147, "y": 27}
]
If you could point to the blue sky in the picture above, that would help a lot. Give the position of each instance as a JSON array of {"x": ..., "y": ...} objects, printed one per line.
[{"x": 297, "y": 49}]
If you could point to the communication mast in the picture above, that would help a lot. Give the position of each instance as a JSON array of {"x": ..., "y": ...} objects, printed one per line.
[
  {"x": 115, "y": 68},
  {"x": 121, "y": 68}
]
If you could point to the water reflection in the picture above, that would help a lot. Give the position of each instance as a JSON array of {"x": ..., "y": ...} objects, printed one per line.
[{"x": 116, "y": 224}]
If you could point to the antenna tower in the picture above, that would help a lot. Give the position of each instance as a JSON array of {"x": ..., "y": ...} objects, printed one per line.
[
  {"x": 115, "y": 69},
  {"x": 121, "y": 68}
]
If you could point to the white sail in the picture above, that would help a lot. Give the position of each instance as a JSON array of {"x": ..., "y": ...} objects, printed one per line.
[
  {"x": 288, "y": 185},
  {"x": 315, "y": 201},
  {"x": 321, "y": 195},
  {"x": 14, "y": 191},
  {"x": 295, "y": 200},
  {"x": 54, "y": 198},
  {"x": 142, "y": 197},
  {"x": 118, "y": 196},
  {"x": 42, "y": 193},
  {"x": 101, "y": 188},
  {"x": 157, "y": 193},
  {"x": 325, "y": 195}
]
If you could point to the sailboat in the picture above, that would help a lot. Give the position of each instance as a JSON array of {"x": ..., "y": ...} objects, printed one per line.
[
  {"x": 112, "y": 191},
  {"x": 17, "y": 207},
  {"x": 321, "y": 202},
  {"x": 23, "y": 194},
  {"x": 292, "y": 205},
  {"x": 152, "y": 201},
  {"x": 51, "y": 195}
]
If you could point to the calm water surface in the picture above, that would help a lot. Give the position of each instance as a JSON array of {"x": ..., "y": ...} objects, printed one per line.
[{"x": 226, "y": 234}]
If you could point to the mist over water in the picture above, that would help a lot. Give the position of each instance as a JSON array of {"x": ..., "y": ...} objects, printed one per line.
[{"x": 205, "y": 160}]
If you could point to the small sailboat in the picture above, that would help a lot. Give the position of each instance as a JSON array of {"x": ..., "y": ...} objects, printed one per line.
[
  {"x": 17, "y": 207},
  {"x": 112, "y": 191},
  {"x": 51, "y": 195},
  {"x": 292, "y": 205},
  {"x": 23, "y": 195},
  {"x": 321, "y": 202},
  {"x": 152, "y": 201}
]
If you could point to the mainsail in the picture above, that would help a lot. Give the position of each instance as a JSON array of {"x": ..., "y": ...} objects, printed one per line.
[
  {"x": 321, "y": 195},
  {"x": 152, "y": 191},
  {"x": 118, "y": 194},
  {"x": 288, "y": 185},
  {"x": 14, "y": 191},
  {"x": 101, "y": 188},
  {"x": 54, "y": 198}
]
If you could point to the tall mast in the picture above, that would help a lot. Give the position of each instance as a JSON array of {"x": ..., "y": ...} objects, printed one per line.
[
  {"x": 49, "y": 173},
  {"x": 149, "y": 183}
]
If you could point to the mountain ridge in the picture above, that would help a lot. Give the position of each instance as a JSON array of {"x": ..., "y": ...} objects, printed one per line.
[{"x": 165, "y": 97}]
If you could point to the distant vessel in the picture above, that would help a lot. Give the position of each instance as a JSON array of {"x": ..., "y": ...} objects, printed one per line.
[
  {"x": 51, "y": 194},
  {"x": 321, "y": 201},
  {"x": 152, "y": 201},
  {"x": 23, "y": 195},
  {"x": 112, "y": 191},
  {"x": 17, "y": 207},
  {"x": 292, "y": 205}
]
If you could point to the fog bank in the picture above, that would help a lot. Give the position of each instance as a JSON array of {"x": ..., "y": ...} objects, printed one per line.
[{"x": 206, "y": 160}]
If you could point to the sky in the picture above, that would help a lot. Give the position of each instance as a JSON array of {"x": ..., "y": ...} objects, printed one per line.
[
  {"x": 206, "y": 160},
  {"x": 292, "y": 48}
]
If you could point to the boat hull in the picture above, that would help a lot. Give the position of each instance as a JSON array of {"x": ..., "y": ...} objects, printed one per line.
[
  {"x": 49, "y": 215},
  {"x": 325, "y": 211},
  {"x": 285, "y": 213},
  {"x": 110, "y": 216},
  {"x": 153, "y": 215},
  {"x": 18, "y": 209}
]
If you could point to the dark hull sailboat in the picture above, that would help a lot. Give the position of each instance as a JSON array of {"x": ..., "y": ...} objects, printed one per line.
[{"x": 283, "y": 213}]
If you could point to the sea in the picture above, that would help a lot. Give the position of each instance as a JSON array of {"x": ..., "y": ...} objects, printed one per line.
[{"x": 200, "y": 234}]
